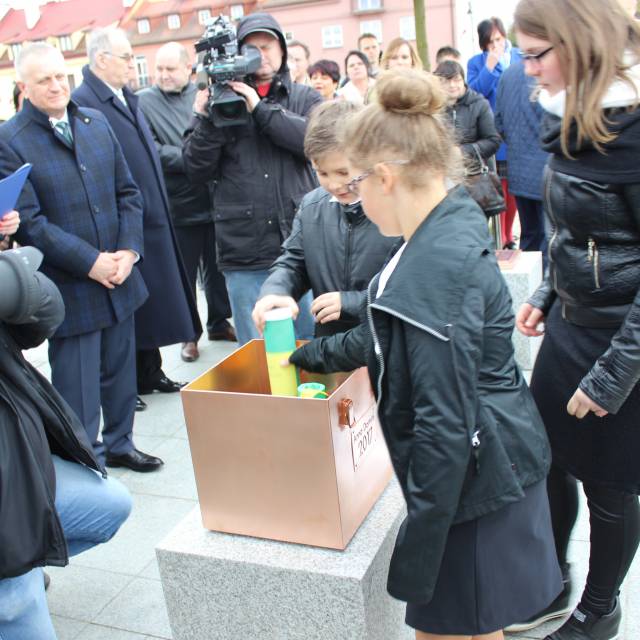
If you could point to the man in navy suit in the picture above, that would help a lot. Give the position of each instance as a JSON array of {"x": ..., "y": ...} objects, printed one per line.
[
  {"x": 81, "y": 208},
  {"x": 104, "y": 87}
]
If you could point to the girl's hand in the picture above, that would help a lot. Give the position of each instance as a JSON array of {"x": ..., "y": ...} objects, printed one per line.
[
  {"x": 528, "y": 320},
  {"x": 9, "y": 223},
  {"x": 580, "y": 404}
]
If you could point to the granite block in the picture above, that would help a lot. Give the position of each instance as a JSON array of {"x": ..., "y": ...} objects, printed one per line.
[
  {"x": 226, "y": 586},
  {"x": 523, "y": 277}
]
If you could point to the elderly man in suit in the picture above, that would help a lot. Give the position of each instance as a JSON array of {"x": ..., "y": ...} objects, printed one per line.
[
  {"x": 82, "y": 209},
  {"x": 104, "y": 87}
]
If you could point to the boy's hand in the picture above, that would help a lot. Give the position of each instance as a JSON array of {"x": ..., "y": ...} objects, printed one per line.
[
  {"x": 9, "y": 223},
  {"x": 272, "y": 302},
  {"x": 327, "y": 307}
]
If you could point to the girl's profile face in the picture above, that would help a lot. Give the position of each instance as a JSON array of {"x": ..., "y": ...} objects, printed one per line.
[
  {"x": 401, "y": 58},
  {"x": 544, "y": 68}
]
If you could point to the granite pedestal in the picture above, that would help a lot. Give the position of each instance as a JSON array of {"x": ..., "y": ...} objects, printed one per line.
[
  {"x": 523, "y": 277},
  {"x": 221, "y": 586}
]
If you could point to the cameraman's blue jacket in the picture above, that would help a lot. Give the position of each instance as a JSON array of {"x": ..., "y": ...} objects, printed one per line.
[{"x": 259, "y": 170}]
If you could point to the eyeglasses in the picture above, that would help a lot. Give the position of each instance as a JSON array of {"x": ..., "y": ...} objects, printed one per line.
[
  {"x": 536, "y": 57},
  {"x": 354, "y": 185},
  {"x": 127, "y": 57}
]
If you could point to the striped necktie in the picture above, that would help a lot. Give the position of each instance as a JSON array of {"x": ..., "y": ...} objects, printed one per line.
[{"x": 65, "y": 131}]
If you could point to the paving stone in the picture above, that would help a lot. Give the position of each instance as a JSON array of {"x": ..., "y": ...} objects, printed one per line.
[{"x": 67, "y": 628}]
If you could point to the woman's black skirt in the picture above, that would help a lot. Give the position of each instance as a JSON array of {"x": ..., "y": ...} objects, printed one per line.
[
  {"x": 602, "y": 450},
  {"x": 497, "y": 570}
]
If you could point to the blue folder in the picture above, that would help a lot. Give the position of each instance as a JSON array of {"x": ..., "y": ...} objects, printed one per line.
[{"x": 10, "y": 188}]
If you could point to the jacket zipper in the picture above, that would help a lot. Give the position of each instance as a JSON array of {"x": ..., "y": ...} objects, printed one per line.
[
  {"x": 377, "y": 349},
  {"x": 555, "y": 228},
  {"x": 347, "y": 258},
  {"x": 594, "y": 258}
]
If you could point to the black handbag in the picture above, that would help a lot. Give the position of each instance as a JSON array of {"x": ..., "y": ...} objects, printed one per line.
[{"x": 485, "y": 188}]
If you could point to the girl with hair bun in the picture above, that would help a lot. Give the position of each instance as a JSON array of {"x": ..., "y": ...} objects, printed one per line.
[
  {"x": 466, "y": 440},
  {"x": 585, "y": 57}
]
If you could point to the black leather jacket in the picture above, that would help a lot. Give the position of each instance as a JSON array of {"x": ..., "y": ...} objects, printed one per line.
[
  {"x": 462, "y": 429},
  {"x": 593, "y": 204},
  {"x": 332, "y": 247},
  {"x": 259, "y": 170}
]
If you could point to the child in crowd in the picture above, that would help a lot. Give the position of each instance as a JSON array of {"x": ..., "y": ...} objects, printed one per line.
[
  {"x": 333, "y": 249},
  {"x": 476, "y": 550}
]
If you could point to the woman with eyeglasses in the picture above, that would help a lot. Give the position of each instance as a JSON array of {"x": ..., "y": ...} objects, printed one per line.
[
  {"x": 483, "y": 75},
  {"x": 585, "y": 57},
  {"x": 475, "y": 551}
]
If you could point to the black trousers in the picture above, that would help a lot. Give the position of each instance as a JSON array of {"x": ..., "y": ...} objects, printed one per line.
[
  {"x": 198, "y": 248},
  {"x": 531, "y": 213},
  {"x": 614, "y": 517}
]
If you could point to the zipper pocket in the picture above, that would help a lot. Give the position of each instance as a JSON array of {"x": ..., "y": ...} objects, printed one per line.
[{"x": 594, "y": 258}]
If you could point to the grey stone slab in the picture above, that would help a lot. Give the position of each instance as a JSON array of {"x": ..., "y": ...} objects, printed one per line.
[
  {"x": 140, "y": 608},
  {"x": 99, "y": 632},
  {"x": 224, "y": 586},
  {"x": 175, "y": 479},
  {"x": 80, "y": 593},
  {"x": 151, "y": 571},
  {"x": 163, "y": 416},
  {"x": 67, "y": 628},
  {"x": 132, "y": 549}
]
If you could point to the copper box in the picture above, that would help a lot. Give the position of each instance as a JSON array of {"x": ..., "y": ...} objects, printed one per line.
[{"x": 293, "y": 469}]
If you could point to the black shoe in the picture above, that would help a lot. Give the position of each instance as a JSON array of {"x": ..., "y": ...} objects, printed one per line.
[
  {"x": 559, "y": 608},
  {"x": 583, "y": 625},
  {"x": 47, "y": 580},
  {"x": 511, "y": 246},
  {"x": 228, "y": 334},
  {"x": 134, "y": 460},
  {"x": 141, "y": 405},
  {"x": 162, "y": 384}
]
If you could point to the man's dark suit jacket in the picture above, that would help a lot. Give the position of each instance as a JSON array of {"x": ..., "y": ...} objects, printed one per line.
[
  {"x": 162, "y": 270},
  {"x": 77, "y": 202}
]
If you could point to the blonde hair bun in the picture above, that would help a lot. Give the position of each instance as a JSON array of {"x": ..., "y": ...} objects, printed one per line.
[{"x": 410, "y": 92}]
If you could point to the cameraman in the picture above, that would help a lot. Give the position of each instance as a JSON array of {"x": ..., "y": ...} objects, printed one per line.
[
  {"x": 55, "y": 498},
  {"x": 259, "y": 169}
]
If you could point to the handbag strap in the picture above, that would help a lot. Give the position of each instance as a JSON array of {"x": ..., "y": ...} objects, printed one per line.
[{"x": 484, "y": 168}]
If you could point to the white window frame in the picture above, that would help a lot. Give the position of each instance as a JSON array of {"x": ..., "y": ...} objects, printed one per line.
[
  {"x": 288, "y": 36},
  {"x": 173, "y": 21},
  {"x": 236, "y": 11},
  {"x": 408, "y": 27},
  {"x": 369, "y": 5},
  {"x": 142, "y": 71},
  {"x": 144, "y": 26},
  {"x": 203, "y": 16},
  {"x": 332, "y": 36},
  {"x": 15, "y": 49},
  {"x": 372, "y": 26},
  {"x": 66, "y": 44}
]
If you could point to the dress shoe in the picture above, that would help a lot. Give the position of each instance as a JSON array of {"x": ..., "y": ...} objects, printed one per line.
[
  {"x": 134, "y": 460},
  {"x": 141, "y": 405},
  {"x": 162, "y": 384},
  {"x": 189, "y": 352},
  {"x": 584, "y": 625},
  {"x": 559, "y": 608},
  {"x": 511, "y": 245},
  {"x": 228, "y": 334}
]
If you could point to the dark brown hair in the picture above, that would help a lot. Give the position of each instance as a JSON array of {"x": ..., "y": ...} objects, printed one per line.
[{"x": 486, "y": 29}]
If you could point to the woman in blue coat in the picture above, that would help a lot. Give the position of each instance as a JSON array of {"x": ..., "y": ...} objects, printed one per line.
[{"x": 483, "y": 75}]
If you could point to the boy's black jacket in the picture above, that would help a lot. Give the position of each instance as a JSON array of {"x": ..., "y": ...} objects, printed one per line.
[{"x": 462, "y": 429}]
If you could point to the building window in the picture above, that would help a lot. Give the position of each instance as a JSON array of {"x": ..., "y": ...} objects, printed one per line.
[
  {"x": 372, "y": 26},
  {"x": 408, "y": 28},
  {"x": 128, "y": 3},
  {"x": 237, "y": 11},
  {"x": 15, "y": 49},
  {"x": 203, "y": 16},
  {"x": 369, "y": 5},
  {"x": 173, "y": 21},
  {"x": 142, "y": 71},
  {"x": 288, "y": 36},
  {"x": 65, "y": 43},
  {"x": 143, "y": 26},
  {"x": 332, "y": 37}
]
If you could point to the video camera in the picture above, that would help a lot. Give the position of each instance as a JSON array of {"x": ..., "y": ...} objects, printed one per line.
[{"x": 219, "y": 62}]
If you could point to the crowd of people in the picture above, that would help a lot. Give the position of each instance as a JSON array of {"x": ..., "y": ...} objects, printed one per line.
[{"x": 343, "y": 198}]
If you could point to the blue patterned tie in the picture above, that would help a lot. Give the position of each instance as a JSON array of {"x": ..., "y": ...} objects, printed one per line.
[{"x": 65, "y": 131}]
